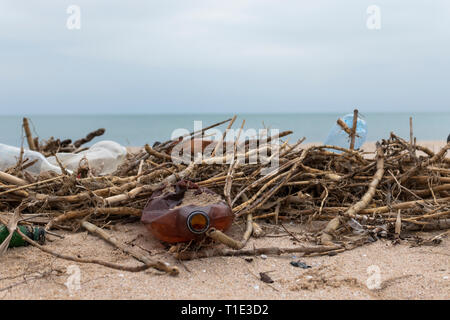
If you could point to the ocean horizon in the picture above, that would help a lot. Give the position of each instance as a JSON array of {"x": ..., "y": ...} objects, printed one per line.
[{"x": 138, "y": 129}]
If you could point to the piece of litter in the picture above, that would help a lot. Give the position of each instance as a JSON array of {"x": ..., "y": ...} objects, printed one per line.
[
  {"x": 121, "y": 275},
  {"x": 256, "y": 287},
  {"x": 263, "y": 256},
  {"x": 265, "y": 278},
  {"x": 299, "y": 264},
  {"x": 309, "y": 277},
  {"x": 203, "y": 270},
  {"x": 445, "y": 277}
]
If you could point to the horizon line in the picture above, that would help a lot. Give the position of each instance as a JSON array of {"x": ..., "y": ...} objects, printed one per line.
[{"x": 215, "y": 113}]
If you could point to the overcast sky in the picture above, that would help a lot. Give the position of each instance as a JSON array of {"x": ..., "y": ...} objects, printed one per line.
[{"x": 184, "y": 56}]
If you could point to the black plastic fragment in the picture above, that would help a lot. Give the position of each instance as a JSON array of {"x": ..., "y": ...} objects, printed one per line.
[{"x": 299, "y": 264}]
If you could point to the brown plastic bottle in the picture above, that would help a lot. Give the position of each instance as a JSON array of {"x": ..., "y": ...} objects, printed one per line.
[{"x": 169, "y": 222}]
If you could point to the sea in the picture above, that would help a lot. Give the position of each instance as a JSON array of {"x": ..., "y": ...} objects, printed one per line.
[{"x": 139, "y": 129}]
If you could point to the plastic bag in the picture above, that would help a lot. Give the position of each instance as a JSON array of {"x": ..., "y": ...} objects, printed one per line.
[
  {"x": 9, "y": 156},
  {"x": 103, "y": 158},
  {"x": 338, "y": 137}
]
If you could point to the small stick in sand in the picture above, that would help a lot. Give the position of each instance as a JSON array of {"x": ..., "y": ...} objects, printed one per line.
[{"x": 189, "y": 255}]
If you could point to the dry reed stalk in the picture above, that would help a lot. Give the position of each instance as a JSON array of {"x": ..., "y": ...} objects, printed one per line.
[
  {"x": 353, "y": 134},
  {"x": 28, "y": 134}
]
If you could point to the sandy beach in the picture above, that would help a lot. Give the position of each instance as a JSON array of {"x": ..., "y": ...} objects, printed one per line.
[{"x": 405, "y": 271}]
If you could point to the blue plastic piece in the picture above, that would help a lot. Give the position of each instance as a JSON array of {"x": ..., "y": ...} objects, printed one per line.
[{"x": 338, "y": 137}]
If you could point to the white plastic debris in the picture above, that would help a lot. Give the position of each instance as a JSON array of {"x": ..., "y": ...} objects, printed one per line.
[
  {"x": 103, "y": 158},
  {"x": 10, "y": 155},
  {"x": 356, "y": 226}
]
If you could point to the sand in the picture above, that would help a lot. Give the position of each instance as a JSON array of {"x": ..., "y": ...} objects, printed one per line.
[{"x": 405, "y": 272}]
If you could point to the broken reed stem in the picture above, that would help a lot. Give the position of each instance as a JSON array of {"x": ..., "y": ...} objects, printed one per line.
[
  {"x": 234, "y": 161},
  {"x": 353, "y": 134},
  {"x": 230, "y": 242},
  {"x": 411, "y": 134},
  {"x": 190, "y": 255},
  {"x": 89, "y": 137},
  {"x": 272, "y": 191},
  {"x": 134, "y": 192},
  {"x": 28, "y": 134},
  {"x": 352, "y": 212},
  {"x": 12, "y": 179},
  {"x": 192, "y": 135},
  {"x": 367, "y": 197},
  {"x": 157, "y": 154},
  {"x": 344, "y": 127},
  {"x": 438, "y": 156},
  {"x": 159, "y": 265},
  {"x": 19, "y": 193},
  {"x": 31, "y": 185},
  {"x": 93, "y": 211},
  {"x": 402, "y": 205},
  {"x": 220, "y": 142}
]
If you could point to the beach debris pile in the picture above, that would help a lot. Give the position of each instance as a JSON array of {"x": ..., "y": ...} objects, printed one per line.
[{"x": 350, "y": 196}]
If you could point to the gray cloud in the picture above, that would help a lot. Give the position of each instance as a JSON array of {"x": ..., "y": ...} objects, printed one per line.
[{"x": 223, "y": 56}]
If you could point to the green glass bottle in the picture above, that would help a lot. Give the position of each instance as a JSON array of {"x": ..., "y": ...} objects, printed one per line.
[{"x": 34, "y": 233}]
